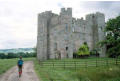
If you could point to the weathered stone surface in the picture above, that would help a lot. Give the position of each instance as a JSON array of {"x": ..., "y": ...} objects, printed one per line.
[{"x": 61, "y": 35}]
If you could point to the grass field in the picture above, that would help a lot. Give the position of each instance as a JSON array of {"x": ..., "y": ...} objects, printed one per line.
[
  {"x": 101, "y": 73},
  {"x": 6, "y": 64}
]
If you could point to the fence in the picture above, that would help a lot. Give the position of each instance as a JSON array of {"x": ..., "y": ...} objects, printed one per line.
[{"x": 79, "y": 63}]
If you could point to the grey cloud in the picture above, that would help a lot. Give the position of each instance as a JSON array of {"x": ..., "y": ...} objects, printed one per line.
[{"x": 18, "y": 18}]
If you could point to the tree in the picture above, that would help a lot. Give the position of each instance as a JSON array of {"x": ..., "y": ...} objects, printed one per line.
[
  {"x": 10, "y": 55},
  {"x": 2, "y": 56},
  {"x": 83, "y": 50},
  {"x": 112, "y": 41}
]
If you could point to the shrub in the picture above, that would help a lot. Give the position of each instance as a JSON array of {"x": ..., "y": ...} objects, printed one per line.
[{"x": 83, "y": 50}]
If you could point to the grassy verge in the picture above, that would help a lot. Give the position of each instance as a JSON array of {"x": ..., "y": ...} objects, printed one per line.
[
  {"x": 6, "y": 64},
  {"x": 101, "y": 73}
]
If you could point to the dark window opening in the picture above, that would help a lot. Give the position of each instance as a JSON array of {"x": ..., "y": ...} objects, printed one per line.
[
  {"x": 85, "y": 43},
  {"x": 101, "y": 28},
  {"x": 66, "y": 48}
]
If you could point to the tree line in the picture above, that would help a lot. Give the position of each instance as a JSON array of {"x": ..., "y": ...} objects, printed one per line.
[{"x": 17, "y": 55}]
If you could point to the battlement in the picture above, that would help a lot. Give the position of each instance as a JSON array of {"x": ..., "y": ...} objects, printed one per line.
[
  {"x": 90, "y": 16},
  {"x": 67, "y": 11},
  {"x": 94, "y": 15},
  {"x": 77, "y": 19},
  {"x": 45, "y": 13},
  {"x": 65, "y": 16},
  {"x": 98, "y": 13}
]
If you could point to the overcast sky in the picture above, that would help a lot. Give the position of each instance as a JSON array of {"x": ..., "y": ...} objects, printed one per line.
[{"x": 18, "y": 18}]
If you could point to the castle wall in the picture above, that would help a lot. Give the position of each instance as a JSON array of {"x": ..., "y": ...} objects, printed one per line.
[
  {"x": 82, "y": 32},
  {"x": 61, "y": 35}
]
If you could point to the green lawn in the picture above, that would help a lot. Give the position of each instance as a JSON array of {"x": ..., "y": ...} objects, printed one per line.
[
  {"x": 6, "y": 64},
  {"x": 103, "y": 72}
]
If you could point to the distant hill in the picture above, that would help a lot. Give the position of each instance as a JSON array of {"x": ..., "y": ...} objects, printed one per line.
[{"x": 16, "y": 50}]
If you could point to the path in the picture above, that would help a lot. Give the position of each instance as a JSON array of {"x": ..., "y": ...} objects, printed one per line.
[{"x": 28, "y": 73}]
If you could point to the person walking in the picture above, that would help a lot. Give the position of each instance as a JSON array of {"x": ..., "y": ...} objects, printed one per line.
[{"x": 20, "y": 66}]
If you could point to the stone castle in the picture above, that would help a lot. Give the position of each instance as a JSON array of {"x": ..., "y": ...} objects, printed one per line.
[{"x": 61, "y": 35}]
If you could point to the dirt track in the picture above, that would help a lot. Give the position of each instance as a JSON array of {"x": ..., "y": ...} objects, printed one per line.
[{"x": 28, "y": 73}]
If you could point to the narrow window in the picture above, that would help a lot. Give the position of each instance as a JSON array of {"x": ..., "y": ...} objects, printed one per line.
[
  {"x": 101, "y": 28},
  {"x": 93, "y": 16},
  {"x": 84, "y": 27},
  {"x": 66, "y": 25},
  {"x": 66, "y": 48}
]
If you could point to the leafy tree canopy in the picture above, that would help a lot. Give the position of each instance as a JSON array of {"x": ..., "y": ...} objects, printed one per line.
[{"x": 112, "y": 37}]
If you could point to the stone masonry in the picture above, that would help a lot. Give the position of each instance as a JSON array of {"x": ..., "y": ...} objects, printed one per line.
[{"x": 61, "y": 35}]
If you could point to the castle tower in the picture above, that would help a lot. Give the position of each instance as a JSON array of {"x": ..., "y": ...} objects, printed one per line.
[
  {"x": 43, "y": 35},
  {"x": 91, "y": 19},
  {"x": 97, "y": 24},
  {"x": 66, "y": 21},
  {"x": 66, "y": 16},
  {"x": 101, "y": 34}
]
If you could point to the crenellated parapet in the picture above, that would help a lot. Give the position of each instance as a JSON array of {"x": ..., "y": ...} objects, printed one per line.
[{"x": 67, "y": 11}]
